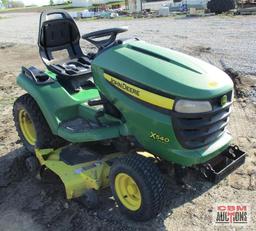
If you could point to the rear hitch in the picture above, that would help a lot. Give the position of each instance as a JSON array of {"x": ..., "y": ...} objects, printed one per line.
[{"x": 222, "y": 165}]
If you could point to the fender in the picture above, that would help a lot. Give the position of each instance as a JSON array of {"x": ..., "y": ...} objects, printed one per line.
[{"x": 53, "y": 100}]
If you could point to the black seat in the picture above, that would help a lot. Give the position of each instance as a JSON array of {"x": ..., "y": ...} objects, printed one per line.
[{"x": 58, "y": 32}]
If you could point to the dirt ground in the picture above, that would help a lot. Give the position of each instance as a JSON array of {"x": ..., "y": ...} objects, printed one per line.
[{"x": 28, "y": 204}]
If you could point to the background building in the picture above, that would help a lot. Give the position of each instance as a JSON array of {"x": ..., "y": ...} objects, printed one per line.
[{"x": 85, "y": 3}]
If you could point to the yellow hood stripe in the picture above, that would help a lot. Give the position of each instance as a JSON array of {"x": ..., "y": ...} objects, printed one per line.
[{"x": 141, "y": 94}]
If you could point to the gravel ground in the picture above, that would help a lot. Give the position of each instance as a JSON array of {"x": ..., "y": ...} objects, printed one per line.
[
  {"x": 26, "y": 203},
  {"x": 231, "y": 39}
]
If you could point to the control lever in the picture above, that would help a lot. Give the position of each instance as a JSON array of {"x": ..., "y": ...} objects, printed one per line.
[{"x": 96, "y": 102}]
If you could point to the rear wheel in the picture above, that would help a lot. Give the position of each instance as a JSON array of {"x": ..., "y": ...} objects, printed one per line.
[
  {"x": 138, "y": 187},
  {"x": 31, "y": 125},
  {"x": 27, "y": 127}
]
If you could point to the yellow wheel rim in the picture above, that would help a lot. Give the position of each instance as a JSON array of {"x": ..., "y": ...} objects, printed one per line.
[
  {"x": 27, "y": 127},
  {"x": 127, "y": 191}
]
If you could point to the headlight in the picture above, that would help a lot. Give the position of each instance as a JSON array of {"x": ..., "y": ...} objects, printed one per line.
[{"x": 191, "y": 106}]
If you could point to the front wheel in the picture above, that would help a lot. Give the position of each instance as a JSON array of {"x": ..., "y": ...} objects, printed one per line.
[{"x": 138, "y": 187}]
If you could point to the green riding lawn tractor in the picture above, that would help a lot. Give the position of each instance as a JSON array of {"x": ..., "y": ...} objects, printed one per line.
[{"x": 122, "y": 117}]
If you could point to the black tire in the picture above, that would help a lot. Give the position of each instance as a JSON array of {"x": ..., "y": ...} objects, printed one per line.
[
  {"x": 44, "y": 136},
  {"x": 90, "y": 199},
  {"x": 150, "y": 182},
  {"x": 220, "y": 6}
]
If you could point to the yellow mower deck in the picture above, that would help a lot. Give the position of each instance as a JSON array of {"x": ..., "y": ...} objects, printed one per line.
[{"x": 78, "y": 177}]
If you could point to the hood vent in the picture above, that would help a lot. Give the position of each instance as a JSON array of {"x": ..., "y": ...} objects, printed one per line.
[{"x": 158, "y": 56}]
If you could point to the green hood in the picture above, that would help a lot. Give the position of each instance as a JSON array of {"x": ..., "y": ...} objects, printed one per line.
[{"x": 165, "y": 70}]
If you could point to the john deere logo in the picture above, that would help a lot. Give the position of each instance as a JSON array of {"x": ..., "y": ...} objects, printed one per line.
[{"x": 223, "y": 100}]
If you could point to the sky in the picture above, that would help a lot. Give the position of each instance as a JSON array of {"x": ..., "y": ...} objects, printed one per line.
[{"x": 38, "y": 2}]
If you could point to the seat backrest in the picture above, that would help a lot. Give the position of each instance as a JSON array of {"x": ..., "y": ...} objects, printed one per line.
[{"x": 58, "y": 31}]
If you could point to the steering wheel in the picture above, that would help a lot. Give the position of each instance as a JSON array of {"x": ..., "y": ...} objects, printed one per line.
[{"x": 111, "y": 33}]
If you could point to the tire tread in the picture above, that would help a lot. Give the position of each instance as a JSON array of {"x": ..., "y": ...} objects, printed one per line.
[
  {"x": 45, "y": 137},
  {"x": 155, "y": 182}
]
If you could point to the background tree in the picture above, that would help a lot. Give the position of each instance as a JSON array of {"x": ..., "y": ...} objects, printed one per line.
[{"x": 5, "y": 3}]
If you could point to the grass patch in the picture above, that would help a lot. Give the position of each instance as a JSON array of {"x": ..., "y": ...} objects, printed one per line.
[
  {"x": 121, "y": 18},
  {"x": 87, "y": 19}
]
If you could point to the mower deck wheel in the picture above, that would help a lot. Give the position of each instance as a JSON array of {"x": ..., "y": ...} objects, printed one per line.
[
  {"x": 138, "y": 187},
  {"x": 89, "y": 199},
  {"x": 32, "y": 165}
]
